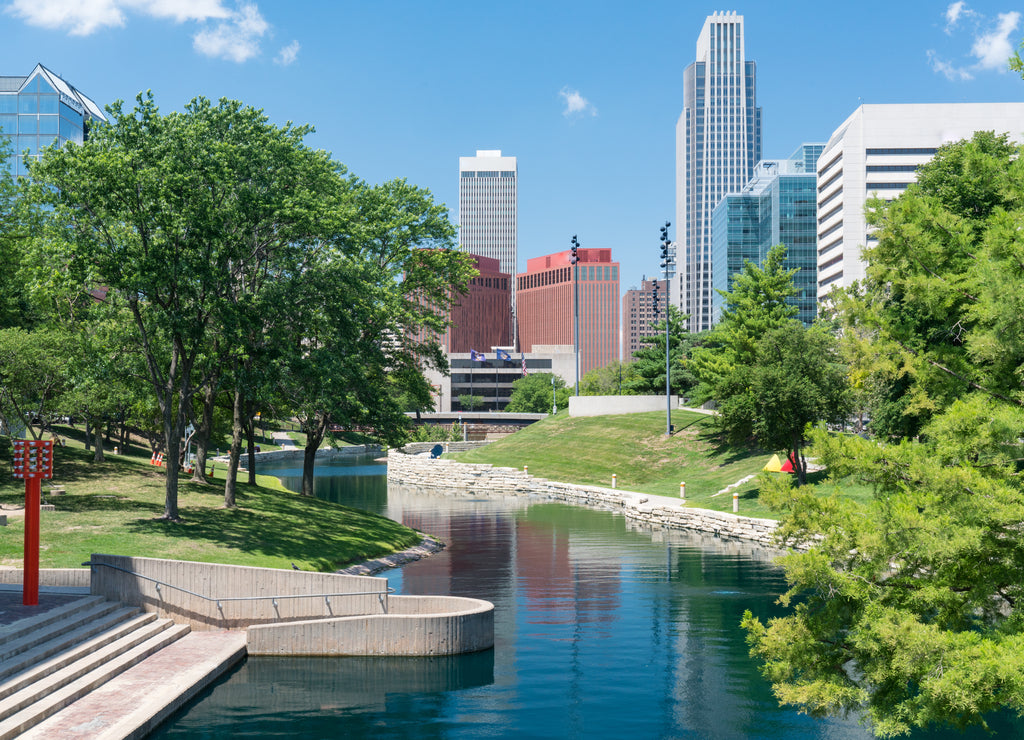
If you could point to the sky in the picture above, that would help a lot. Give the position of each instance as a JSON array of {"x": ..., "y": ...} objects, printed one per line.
[{"x": 586, "y": 95}]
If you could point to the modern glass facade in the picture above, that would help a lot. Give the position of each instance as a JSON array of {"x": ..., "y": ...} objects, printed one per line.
[
  {"x": 718, "y": 142},
  {"x": 41, "y": 110},
  {"x": 777, "y": 206}
]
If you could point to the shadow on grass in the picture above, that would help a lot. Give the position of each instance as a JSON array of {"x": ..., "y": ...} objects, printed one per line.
[
  {"x": 284, "y": 525},
  {"x": 726, "y": 452}
]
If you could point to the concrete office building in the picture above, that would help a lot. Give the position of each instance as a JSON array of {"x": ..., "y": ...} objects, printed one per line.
[
  {"x": 718, "y": 142},
  {"x": 638, "y": 315},
  {"x": 40, "y": 110},
  {"x": 545, "y": 305},
  {"x": 777, "y": 206},
  {"x": 488, "y": 213},
  {"x": 875, "y": 152}
]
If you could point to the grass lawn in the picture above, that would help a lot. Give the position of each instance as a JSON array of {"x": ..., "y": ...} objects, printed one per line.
[
  {"x": 588, "y": 450},
  {"x": 113, "y": 507}
]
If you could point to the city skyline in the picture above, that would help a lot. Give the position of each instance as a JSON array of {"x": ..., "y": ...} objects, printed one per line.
[{"x": 586, "y": 99}]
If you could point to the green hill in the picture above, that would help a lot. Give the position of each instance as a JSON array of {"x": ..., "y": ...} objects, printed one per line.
[{"x": 635, "y": 448}]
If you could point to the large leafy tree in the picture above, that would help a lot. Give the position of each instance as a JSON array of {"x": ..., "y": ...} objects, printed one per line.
[
  {"x": 163, "y": 210},
  {"x": 612, "y": 379},
  {"x": 907, "y": 607}
]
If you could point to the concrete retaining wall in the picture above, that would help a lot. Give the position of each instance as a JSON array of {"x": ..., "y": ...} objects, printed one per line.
[
  {"x": 660, "y": 511},
  {"x": 324, "y": 455},
  {"x": 56, "y": 577},
  {"x": 418, "y": 448},
  {"x": 605, "y": 405},
  {"x": 413, "y": 626},
  {"x": 350, "y": 595}
]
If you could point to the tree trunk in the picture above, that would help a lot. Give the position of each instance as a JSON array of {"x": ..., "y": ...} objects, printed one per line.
[
  {"x": 250, "y": 432},
  {"x": 799, "y": 463},
  {"x": 98, "y": 456},
  {"x": 203, "y": 431},
  {"x": 315, "y": 429},
  {"x": 173, "y": 425},
  {"x": 231, "y": 484},
  {"x": 88, "y": 435}
]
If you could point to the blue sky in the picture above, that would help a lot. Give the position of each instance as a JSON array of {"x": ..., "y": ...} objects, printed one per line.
[{"x": 585, "y": 94}]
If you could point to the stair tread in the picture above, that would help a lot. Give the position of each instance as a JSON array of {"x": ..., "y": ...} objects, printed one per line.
[
  {"x": 128, "y": 631},
  {"x": 136, "y": 701},
  {"x": 54, "y": 701},
  {"x": 94, "y": 634},
  {"x": 29, "y": 639},
  {"x": 19, "y": 627}
]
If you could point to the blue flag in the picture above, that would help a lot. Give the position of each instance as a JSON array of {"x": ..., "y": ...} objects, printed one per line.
[
  {"x": 503, "y": 355},
  {"x": 476, "y": 356}
]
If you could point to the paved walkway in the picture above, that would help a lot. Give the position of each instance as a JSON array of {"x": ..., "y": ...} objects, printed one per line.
[{"x": 282, "y": 440}]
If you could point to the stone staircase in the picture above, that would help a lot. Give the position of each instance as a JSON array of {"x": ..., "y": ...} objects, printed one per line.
[{"x": 49, "y": 661}]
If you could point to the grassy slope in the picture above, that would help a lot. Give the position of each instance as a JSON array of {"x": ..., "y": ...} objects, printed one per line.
[
  {"x": 112, "y": 507},
  {"x": 635, "y": 448}
]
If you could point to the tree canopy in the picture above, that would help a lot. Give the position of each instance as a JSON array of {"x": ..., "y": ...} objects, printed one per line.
[{"x": 534, "y": 394}]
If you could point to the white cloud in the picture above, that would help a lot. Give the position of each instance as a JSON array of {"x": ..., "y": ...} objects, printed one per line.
[
  {"x": 576, "y": 104},
  {"x": 945, "y": 68},
  {"x": 236, "y": 39},
  {"x": 84, "y": 17},
  {"x": 288, "y": 54},
  {"x": 993, "y": 49},
  {"x": 992, "y": 42},
  {"x": 953, "y": 13}
]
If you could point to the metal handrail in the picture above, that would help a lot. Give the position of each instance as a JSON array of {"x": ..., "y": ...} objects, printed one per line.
[{"x": 326, "y": 597}]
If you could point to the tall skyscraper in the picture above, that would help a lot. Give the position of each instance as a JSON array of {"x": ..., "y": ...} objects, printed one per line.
[
  {"x": 718, "y": 142},
  {"x": 876, "y": 152},
  {"x": 546, "y": 305},
  {"x": 488, "y": 213},
  {"x": 39, "y": 110},
  {"x": 777, "y": 206}
]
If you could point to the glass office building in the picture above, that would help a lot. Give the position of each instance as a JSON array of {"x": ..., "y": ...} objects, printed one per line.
[
  {"x": 777, "y": 206},
  {"x": 41, "y": 110},
  {"x": 718, "y": 142}
]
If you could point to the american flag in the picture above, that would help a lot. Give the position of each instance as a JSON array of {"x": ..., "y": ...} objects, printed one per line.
[{"x": 522, "y": 357}]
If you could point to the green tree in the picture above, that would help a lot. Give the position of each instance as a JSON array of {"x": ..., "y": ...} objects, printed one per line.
[
  {"x": 469, "y": 402},
  {"x": 534, "y": 394},
  {"x": 35, "y": 372},
  {"x": 795, "y": 380},
  {"x": 649, "y": 361},
  {"x": 611, "y": 380},
  {"x": 906, "y": 609},
  {"x": 756, "y": 304},
  {"x": 163, "y": 210}
]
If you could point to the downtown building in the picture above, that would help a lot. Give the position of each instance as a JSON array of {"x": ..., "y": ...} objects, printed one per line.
[
  {"x": 488, "y": 215},
  {"x": 40, "y": 110},
  {"x": 718, "y": 143},
  {"x": 875, "y": 153},
  {"x": 639, "y": 315},
  {"x": 479, "y": 319},
  {"x": 777, "y": 206},
  {"x": 545, "y": 307}
]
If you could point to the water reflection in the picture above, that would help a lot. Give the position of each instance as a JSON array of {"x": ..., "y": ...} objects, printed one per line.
[{"x": 603, "y": 628}]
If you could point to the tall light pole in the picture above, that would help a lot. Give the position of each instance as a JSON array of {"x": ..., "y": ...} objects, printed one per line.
[
  {"x": 666, "y": 265},
  {"x": 576, "y": 307}
]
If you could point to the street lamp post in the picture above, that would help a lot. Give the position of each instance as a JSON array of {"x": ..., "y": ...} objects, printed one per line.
[
  {"x": 666, "y": 265},
  {"x": 576, "y": 307}
]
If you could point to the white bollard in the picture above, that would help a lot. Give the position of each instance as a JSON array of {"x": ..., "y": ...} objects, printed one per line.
[
  {"x": 682, "y": 490},
  {"x": 735, "y": 501},
  {"x": 526, "y": 469},
  {"x": 614, "y": 479}
]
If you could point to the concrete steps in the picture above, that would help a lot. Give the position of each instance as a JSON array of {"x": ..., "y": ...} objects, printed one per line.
[{"x": 49, "y": 661}]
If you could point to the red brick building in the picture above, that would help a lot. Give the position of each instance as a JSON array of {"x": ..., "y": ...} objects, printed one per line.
[
  {"x": 482, "y": 318},
  {"x": 544, "y": 305}
]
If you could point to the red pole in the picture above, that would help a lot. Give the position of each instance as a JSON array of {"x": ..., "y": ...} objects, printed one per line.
[{"x": 30, "y": 585}]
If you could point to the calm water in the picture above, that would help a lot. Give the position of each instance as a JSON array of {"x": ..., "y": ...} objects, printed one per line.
[{"x": 603, "y": 629}]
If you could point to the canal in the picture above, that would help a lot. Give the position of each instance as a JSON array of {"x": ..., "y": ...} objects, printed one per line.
[{"x": 603, "y": 629}]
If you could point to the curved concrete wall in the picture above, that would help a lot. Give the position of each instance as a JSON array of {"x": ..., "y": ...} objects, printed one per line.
[
  {"x": 660, "y": 511},
  {"x": 413, "y": 626}
]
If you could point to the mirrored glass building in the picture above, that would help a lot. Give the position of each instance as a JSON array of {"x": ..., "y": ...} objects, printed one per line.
[
  {"x": 777, "y": 206},
  {"x": 40, "y": 110}
]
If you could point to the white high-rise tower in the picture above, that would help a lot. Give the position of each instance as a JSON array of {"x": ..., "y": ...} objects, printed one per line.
[
  {"x": 488, "y": 212},
  {"x": 718, "y": 142}
]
